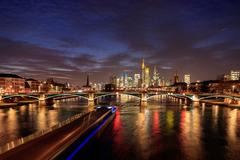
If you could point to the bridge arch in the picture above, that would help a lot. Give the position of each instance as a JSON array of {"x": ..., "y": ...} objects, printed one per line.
[
  {"x": 62, "y": 95},
  {"x": 104, "y": 95},
  {"x": 192, "y": 98},
  {"x": 20, "y": 95},
  {"x": 155, "y": 95},
  {"x": 129, "y": 94},
  {"x": 220, "y": 96}
]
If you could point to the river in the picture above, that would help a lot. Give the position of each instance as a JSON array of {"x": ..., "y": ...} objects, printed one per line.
[
  {"x": 162, "y": 128},
  {"x": 166, "y": 129}
]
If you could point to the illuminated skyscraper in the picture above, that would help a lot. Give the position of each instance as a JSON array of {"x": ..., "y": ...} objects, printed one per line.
[
  {"x": 147, "y": 76},
  {"x": 122, "y": 80},
  {"x": 130, "y": 81},
  {"x": 125, "y": 80},
  {"x": 143, "y": 73},
  {"x": 136, "y": 80},
  {"x": 187, "y": 78},
  {"x": 155, "y": 79}
]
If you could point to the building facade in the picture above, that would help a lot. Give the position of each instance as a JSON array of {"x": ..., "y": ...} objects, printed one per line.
[
  {"x": 234, "y": 75},
  {"x": 11, "y": 84},
  {"x": 187, "y": 79}
]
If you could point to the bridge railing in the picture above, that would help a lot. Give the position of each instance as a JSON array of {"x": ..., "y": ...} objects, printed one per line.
[{"x": 13, "y": 144}]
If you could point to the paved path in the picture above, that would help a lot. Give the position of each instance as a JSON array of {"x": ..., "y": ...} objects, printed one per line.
[{"x": 48, "y": 145}]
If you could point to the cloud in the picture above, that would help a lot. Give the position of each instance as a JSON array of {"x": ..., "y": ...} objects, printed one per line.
[{"x": 71, "y": 38}]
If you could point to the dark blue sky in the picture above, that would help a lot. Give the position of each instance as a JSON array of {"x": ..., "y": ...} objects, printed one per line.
[{"x": 67, "y": 38}]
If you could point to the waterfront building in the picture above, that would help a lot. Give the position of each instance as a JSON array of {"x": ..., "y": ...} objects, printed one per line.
[
  {"x": 11, "y": 83},
  {"x": 234, "y": 75},
  {"x": 52, "y": 86},
  {"x": 33, "y": 84}
]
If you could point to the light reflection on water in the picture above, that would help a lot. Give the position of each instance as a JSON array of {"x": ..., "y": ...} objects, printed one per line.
[
  {"x": 24, "y": 120},
  {"x": 169, "y": 129}
]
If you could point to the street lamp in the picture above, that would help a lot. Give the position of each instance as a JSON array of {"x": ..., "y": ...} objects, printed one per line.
[{"x": 233, "y": 88}]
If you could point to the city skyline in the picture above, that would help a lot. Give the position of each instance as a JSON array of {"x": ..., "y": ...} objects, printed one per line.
[{"x": 68, "y": 40}]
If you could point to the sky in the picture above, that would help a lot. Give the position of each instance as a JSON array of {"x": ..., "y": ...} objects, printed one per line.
[{"x": 66, "y": 39}]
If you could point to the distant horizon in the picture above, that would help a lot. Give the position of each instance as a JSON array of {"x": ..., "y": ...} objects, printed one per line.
[{"x": 57, "y": 79}]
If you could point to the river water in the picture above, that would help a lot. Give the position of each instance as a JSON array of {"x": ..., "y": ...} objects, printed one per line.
[
  {"x": 161, "y": 129},
  {"x": 167, "y": 129},
  {"x": 21, "y": 121}
]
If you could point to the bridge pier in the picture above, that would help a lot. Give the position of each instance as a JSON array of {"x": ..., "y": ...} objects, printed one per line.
[
  {"x": 185, "y": 101},
  {"x": 42, "y": 97},
  {"x": 143, "y": 97},
  {"x": 90, "y": 96},
  {"x": 180, "y": 101},
  {"x": 42, "y": 100},
  {"x": 91, "y": 101},
  {"x": 195, "y": 98}
]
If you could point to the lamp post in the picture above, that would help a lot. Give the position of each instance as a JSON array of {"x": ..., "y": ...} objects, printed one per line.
[{"x": 233, "y": 88}]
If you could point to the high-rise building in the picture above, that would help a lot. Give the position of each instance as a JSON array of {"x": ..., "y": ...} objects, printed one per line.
[
  {"x": 234, "y": 75},
  {"x": 136, "y": 79},
  {"x": 143, "y": 73},
  {"x": 125, "y": 80},
  {"x": 118, "y": 82},
  {"x": 155, "y": 79},
  {"x": 187, "y": 78},
  {"x": 122, "y": 81},
  {"x": 147, "y": 76},
  {"x": 130, "y": 81}
]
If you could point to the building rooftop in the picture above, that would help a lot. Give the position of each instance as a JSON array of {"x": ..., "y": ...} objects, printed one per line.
[{"x": 9, "y": 75}]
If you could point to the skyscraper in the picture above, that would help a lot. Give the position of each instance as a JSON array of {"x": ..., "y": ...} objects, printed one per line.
[
  {"x": 147, "y": 76},
  {"x": 143, "y": 73},
  {"x": 187, "y": 78},
  {"x": 136, "y": 79},
  {"x": 155, "y": 79},
  {"x": 125, "y": 80}
]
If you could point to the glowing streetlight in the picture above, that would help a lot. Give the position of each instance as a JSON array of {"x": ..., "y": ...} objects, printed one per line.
[{"x": 233, "y": 88}]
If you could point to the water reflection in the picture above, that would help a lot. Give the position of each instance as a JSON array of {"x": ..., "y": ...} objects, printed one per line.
[
  {"x": 169, "y": 129},
  {"x": 24, "y": 120}
]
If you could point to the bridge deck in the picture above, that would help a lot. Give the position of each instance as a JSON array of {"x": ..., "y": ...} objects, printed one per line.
[{"x": 49, "y": 145}]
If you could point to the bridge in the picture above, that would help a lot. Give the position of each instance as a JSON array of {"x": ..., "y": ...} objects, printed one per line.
[{"x": 142, "y": 95}]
